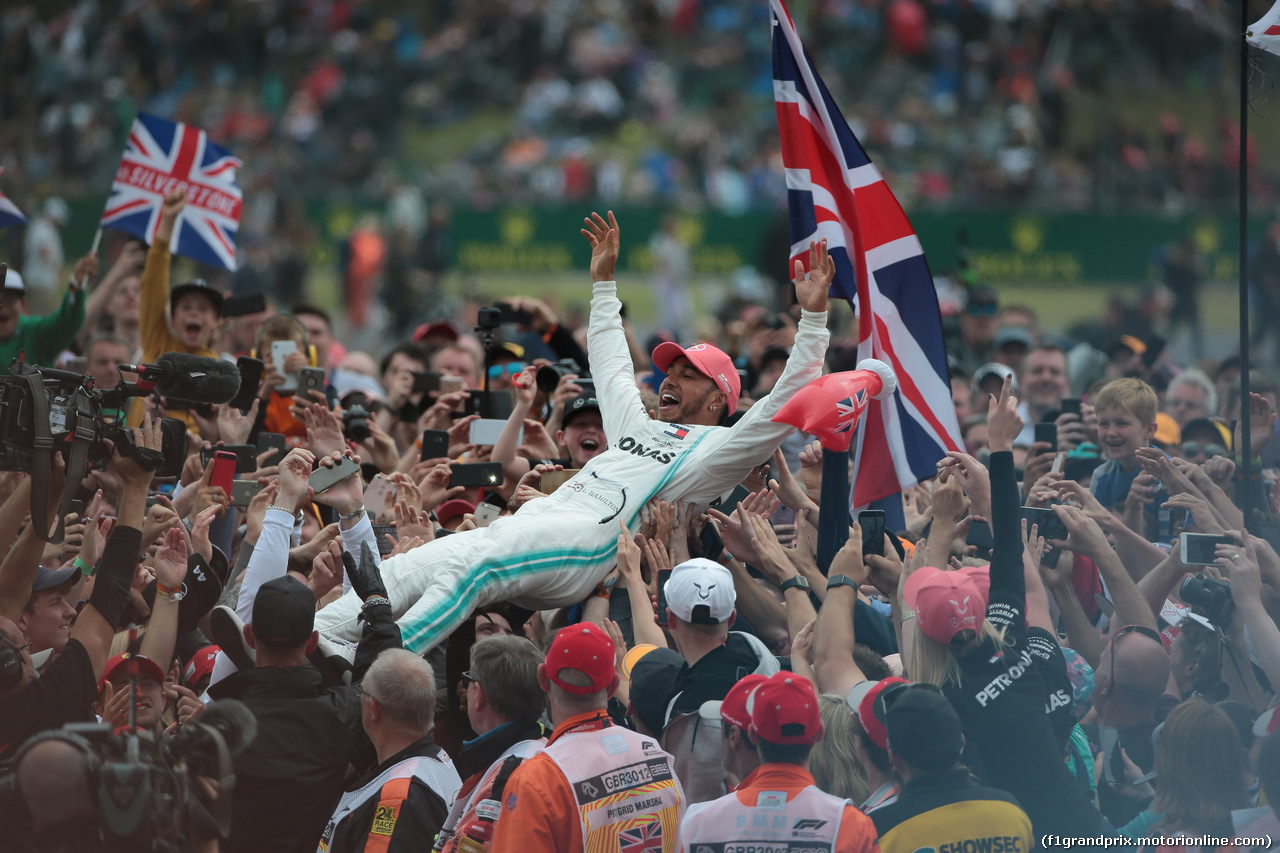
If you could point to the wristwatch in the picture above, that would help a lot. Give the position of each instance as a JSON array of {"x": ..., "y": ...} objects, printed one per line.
[
  {"x": 797, "y": 582},
  {"x": 841, "y": 580}
]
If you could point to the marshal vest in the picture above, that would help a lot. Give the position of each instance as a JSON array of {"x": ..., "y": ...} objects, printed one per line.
[
  {"x": 809, "y": 823},
  {"x": 436, "y": 773},
  {"x": 635, "y": 803}
]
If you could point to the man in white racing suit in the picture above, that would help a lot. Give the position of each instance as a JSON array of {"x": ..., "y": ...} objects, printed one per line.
[{"x": 555, "y": 550}]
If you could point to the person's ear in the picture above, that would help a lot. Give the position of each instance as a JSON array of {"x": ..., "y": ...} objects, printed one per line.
[
  {"x": 482, "y": 698},
  {"x": 733, "y": 616},
  {"x": 718, "y": 401},
  {"x": 1151, "y": 430},
  {"x": 313, "y": 641},
  {"x": 249, "y": 637},
  {"x": 543, "y": 680},
  {"x": 613, "y": 685},
  {"x": 560, "y": 438}
]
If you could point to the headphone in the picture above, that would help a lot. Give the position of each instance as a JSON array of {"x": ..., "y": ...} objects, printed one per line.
[
  {"x": 10, "y": 666},
  {"x": 312, "y": 357}
]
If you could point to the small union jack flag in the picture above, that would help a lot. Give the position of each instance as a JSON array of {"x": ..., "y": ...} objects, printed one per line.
[
  {"x": 836, "y": 193},
  {"x": 645, "y": 838},
  {"x": 164, "y": 156},
  {"x": 848, "y": 409},
  {"x": 676, "y": 431},
  {"x": 9, "y": 213}
]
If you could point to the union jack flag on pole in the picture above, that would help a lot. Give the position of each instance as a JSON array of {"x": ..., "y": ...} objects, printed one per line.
[
  {"x": 164, "y": 156},
  {"x": 10, "y": 216},
  {"x": 836, "y": 193}
]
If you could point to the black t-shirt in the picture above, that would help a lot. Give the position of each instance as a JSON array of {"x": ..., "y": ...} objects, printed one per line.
[
  {"x": 1002, "y": 692},
  {"x": 711, "y": 677},
  {"x": 63, "y": 694}
]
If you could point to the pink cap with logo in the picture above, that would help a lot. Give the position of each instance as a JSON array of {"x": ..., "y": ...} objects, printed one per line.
[
  {"x": 946, "y": 603},
  {"x": 710, "y": 361}
]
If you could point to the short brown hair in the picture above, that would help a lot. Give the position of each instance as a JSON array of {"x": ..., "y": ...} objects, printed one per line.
[
  {"x": 506, "y": 666},
  {"x": 1132, "y": 395},
  {"x": 282, "y": 327}
]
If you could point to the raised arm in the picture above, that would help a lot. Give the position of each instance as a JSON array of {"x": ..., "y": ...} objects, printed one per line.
[
  {"x": 834, "y": 636},
  {"x": 1007, "y": 601},
  {"x": 153, "y": 321}
]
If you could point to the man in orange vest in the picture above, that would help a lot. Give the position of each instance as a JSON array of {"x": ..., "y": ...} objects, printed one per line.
[
  {"x": 778, "y": 806},
  {"x": 597, "y": 785}
]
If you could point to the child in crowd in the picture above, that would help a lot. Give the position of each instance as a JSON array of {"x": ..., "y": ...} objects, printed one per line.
[{"x": 1126, "y": 422}]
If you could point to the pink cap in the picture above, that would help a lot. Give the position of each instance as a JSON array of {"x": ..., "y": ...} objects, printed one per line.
[
  {"x": 710, "y": 361},
  {"x": 946, "y": 603},
  {"x": 584, "y": 647}
]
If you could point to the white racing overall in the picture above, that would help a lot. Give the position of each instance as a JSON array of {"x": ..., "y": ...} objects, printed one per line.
[{"x": 555, "y": 550}]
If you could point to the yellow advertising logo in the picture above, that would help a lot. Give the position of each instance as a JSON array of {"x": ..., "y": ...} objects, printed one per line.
[
  {"x": 517, "y": 227},
  {"x": 1026, "y": 234}
]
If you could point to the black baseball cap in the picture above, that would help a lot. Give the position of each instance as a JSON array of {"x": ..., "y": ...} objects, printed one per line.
[
  {"x": 197, "y": 285},
  {"x": 284, "y": 613},
  {"x": 584, "y": 402},
  {"x": 924, "y": 730},
  {"x": 652, "y": 679}
]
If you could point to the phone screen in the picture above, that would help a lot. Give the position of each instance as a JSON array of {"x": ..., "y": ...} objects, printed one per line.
[
  {"x": 872, "y": 523},
  {"x": 1200, "y": 549},
  {"x": 664, "y": 575}
]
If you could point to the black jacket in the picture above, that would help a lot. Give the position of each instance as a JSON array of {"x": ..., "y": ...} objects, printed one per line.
[{"x": 411, "y": 823}]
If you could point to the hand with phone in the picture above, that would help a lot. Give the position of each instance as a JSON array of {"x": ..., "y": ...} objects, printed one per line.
[
  {"x": 282, "y": 366},
  {"x": 337, "y": 483},
  {"x": 1084, "y": 536},
  {"x": 295, "y": 476},
  {"x": 848, "y": 560}
]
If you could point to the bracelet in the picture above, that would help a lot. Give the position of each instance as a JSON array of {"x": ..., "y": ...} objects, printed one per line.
[
  {"x": 173, "y": 593},
  {"x": 85, "y": 569},
  {"x": 292, "y": 513},
  {"x": 375, "y": 600},
  {"x": 907, "y": 617},
  {"x": 604, "y": 589},
  {"x": 353, "y": 515}
]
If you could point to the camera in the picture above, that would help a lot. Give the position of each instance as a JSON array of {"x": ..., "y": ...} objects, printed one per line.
[
  {"x": 355, "y": 422},
  {"x": 489, "y": 318},
  {"x": 549, "y": 375},
  {"x": 1210, "y": 598},
  {"x": 138, "y": 791}
]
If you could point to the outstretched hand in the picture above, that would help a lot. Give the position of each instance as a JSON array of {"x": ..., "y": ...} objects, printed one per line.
[
  {"x": 605, "y": 238},
  {"x": 811, "y": 289}
]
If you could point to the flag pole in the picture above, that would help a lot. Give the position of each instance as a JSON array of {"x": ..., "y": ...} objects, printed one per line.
[
  {"x": 1245, "y": 450},
  {"x": 833, "y": 518},
  {"x": 93, "y": 250}
]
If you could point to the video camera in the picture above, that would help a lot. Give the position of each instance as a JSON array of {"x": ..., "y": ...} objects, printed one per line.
[{"x": 142, "y": 789}]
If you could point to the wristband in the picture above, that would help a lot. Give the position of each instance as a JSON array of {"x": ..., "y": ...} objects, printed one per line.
[
  {"x": 798, "y": 582},
  {"x": 173, "y": 593},
  {"x": 907, "y": 617},
  {"x": 353, "y": 515},
  {"x": 85, "y": 569},
  {"x": 605, "y": 588}
]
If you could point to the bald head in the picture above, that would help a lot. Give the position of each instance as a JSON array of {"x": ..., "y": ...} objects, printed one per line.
[
  {"x": 1140, "y": 672},
  {"x": 54, "y": 783}
]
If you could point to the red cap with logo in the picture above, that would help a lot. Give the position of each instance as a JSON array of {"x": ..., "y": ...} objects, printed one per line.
[
  {"x": 865, "y": 709},
  {"x": 116, "y": 673},
  {"x": 733, "y": 708},
  {"x": 201, "y": 664},
  {"x": 584, "y": 647},
  {"x": 946, "y": 603},
  {"x": 710, "y": 361},
  {"x": 784, "y": 710}
]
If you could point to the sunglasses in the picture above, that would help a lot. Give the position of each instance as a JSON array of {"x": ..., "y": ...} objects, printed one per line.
[
  {"x": 1132, "y": 629},
  {"x": 468, "y": 679},
  {"x": 1191, "y": 448},
  {"x": 887, "y": 698},
  {"x": 511, "y": 368},
  {"x": 364, "y": 693}
]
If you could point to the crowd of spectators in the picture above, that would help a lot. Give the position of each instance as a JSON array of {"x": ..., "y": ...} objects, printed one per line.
[
  {"x": 962, "y": 103},
  {"x": 626, "y": 637}
]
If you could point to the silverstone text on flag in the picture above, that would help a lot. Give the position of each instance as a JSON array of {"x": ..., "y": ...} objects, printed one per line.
[
  {"x": 10, "y": 216},
  {"x": 836, "y": 193},
  {"x": 162, "y": 157}
]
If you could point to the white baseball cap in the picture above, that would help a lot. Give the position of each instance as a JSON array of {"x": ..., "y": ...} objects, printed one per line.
[
  {"x": 700, "y": 591},
  {"x": 13, "y": 281}
]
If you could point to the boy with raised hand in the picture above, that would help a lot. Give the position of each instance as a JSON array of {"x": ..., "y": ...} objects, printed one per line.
[{"x": 1126, "y": 423}]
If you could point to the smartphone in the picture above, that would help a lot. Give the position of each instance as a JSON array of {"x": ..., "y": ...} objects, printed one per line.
[
  {"x": 246, "y": 456},
  {"x": 1048, "y": 433},
  {"x": 450, "y": 384},
  {"x": 553, "y": 480},
  {"x": 1071, "y": 406},
  {"x": 380, "y": 532},
  {"x": 485, "y": 513},
  {"x": 712, "y": 543},
  {"x": 872, "y": 522},
  {"x": 664, "y": 575},
  {"x": 77, "y": 506},
  {"x": 1200, "y": 549},
  {"x": 435, "y": 444},
  {"x": 152, "y": 500},
  {"x": 173, "y": 434},
  {"x": 240, "y": 306},
  {"x": 243, "y": 491},
  {"x": 485, "y": 475},
  {"x": 280, "y": 351},
  {"x": 500, "y": 405},
  {"x": 1050, "y": 526},
  {"x": 224, "y": 470},
  {"x": 427, "y": 380},
  {"x": 324, "y": 477},
  {"x": 512, "y": 315},
  {"x": 486, "y": 431},
  {"x": 980, "y": 537},
  {"x": 1059, "y": 463},
  {"x": 250, "y": 379},
  {"x": 379, "y": 497},
  {"x": 310, "y": 379},
  {"x": 272, "y": 441}
]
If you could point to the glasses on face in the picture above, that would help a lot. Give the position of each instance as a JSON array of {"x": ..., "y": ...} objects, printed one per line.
[
  {"x": 468, "y": 679},
  {"x": 888, "y": 697},
  {"x": 1193, "y": 448},
  {"x": 365, "y": 694},
  {"x": 511, "y": 368}
]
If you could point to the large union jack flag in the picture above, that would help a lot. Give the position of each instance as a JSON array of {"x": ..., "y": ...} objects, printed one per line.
[
  {"x": 836, "y": 193},
  {"x": 164, "y": 156},
  {"x": 9, "y": 213}
]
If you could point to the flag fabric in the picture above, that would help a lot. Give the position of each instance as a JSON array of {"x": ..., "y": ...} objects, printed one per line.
[
  {"x": 1264, "y": 33},
  {"x": 836, "y": 193},
  {"x": 164, "y": 156},
  {"x": 10, "y": 216}
]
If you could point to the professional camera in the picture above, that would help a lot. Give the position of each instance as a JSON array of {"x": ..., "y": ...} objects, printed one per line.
[
  {"x": 137, "y": 791},
  {"x": 355, "y": 422},
  {"x": 549, "y": 375},
  {"x": 1208, "y": 597},
  {"x": 43, "y": 410}
]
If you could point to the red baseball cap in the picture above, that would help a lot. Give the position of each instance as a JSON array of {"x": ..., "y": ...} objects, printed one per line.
[
  {"x": 866, "y": 705},
  {"x": 733, "y": 708},
  {"x": 201, "y": 664},
  {"x": 584, "y": 647},
  {"x": 116, "y": 668},
  {"x": 710, "y": 361},
  {"x": 784, "y": 710},
  {"x": 456, "y": 508},
  {"x": 439, "y": 329},
  {"x": 946, "y": 603}
]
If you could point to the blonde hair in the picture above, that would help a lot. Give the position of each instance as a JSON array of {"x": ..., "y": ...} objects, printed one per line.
[
  {"x": 1132, "y": 395},
  {"x": 939, "y": 663},
  {"x": 1200, "y": 768},
  {"x": 833, "y": 763}
]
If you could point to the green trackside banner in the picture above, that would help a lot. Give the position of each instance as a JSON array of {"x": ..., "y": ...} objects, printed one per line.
[{"x": 1014, "y": 248}]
